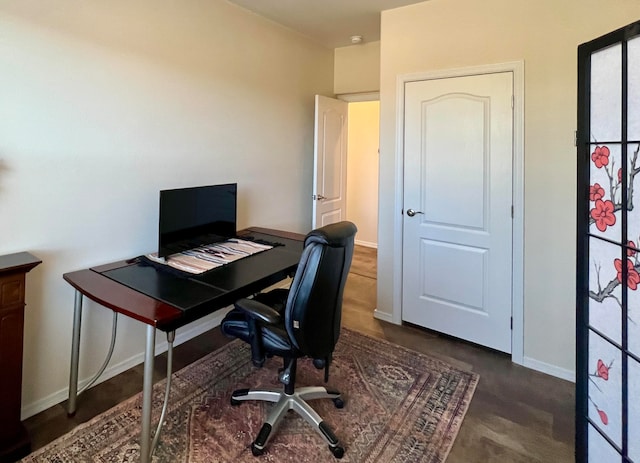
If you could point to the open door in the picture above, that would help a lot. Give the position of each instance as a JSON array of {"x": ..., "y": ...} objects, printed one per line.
[{"x": 330, "y": 161}]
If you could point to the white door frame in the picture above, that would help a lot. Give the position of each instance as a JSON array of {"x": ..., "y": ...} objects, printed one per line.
[{"x": 517, "y": 283}]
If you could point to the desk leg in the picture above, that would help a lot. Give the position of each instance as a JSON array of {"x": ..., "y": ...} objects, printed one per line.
[
  {"x": 75, "y": 355},
  {"x": 147, "y": 389}
]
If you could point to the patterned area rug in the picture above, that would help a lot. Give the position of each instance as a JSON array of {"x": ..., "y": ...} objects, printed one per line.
[{"x": 400, "y": 406}]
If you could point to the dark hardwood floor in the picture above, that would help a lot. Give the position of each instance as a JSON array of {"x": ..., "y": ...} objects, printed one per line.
[{"x": 516, "y": 415}]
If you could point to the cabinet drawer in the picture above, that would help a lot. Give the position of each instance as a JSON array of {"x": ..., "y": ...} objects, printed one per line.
[{"x": 11, "y": 290}]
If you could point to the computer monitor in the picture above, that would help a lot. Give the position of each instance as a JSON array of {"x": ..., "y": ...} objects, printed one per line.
[{"x": 192, "y": 217}]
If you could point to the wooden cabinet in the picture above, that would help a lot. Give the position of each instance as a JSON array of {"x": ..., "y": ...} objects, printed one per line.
[{"x": 14, "y": 440}]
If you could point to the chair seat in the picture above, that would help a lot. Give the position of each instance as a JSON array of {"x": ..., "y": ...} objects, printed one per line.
[{"x": 274, "y": 338}]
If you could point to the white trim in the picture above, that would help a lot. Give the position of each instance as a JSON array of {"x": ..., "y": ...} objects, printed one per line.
[
  {"x": 358, "y": 97},
  {"x": 396, "y": 314},
  {"x": 61, "y": 395},
  {"x": 517, "y": 283},
  {"x": 384, "y": 316},
  {"x": 553, "y": 370},
  {"x": 366, "y": 244}
]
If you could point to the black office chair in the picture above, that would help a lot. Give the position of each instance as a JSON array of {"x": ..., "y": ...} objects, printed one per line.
[{"x": 303, "y": 321}]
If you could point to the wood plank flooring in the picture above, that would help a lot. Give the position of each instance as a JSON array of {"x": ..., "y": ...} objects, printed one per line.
[{"x": 517, "y": 415}]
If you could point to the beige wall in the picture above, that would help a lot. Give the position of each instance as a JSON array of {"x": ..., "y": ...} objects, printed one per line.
[
  {"x": 357, "y": 69},
  {"x": 362, "y": 170},
  {"x": 443, "y": 34},
  {"x": 103, "y": 104}
]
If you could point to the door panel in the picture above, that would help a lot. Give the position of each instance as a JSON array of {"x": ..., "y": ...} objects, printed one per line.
[
  {"x": 457, "y": 247},
  {"x": 460, "y": 207},
  {"x": 449, "y": 258},
  {"x": 330, "y": 161}
]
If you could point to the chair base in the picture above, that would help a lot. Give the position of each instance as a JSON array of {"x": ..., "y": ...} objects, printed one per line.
[{"x": 296, "y": 402}]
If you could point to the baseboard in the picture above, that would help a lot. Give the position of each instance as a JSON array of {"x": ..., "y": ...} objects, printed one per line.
[
  {"x": 533, "y": 364},
  {"x": 61, "y": 395},
  {"x": 549, "y": 369},
  {"x": 384, "y": 316},
  {"x": 366, "y": 244}
]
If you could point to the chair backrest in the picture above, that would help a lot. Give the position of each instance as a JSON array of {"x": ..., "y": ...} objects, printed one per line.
[{"x": 314, "y": 305}]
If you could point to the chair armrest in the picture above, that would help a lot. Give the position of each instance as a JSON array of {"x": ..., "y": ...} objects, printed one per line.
[{"x": 258, "y": 311}]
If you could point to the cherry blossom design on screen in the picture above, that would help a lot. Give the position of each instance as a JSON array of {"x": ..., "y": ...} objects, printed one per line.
[
  {"x": 605, "y": 209},
  {"x": 601, "y": 374}
]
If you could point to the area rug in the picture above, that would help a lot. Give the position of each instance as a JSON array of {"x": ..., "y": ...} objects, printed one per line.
[{"x": 400, "y": 406}]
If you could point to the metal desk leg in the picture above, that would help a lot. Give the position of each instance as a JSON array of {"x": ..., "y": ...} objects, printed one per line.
[
  {"x": 147, "y": 389},
  {"x": 75, "y": 355},
  {"x": 171, "y": 336}
]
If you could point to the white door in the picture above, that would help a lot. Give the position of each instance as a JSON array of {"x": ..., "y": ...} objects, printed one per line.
[
  {"x": 457, "y": 222},
  {"x": 330, "y": 161}
]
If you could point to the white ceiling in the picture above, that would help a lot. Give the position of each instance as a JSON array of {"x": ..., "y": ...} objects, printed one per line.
[{"x": 328, "y": 22}]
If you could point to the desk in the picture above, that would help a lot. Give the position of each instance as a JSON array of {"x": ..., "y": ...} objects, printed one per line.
[{"x": 161, "y": 300}]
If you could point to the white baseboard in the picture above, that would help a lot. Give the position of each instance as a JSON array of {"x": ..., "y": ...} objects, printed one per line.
[
  {"x": 549, "y": 369},
  {"x": 366, "y": 244},
  {"x": 181, "y": 336},
  {"x": 384, "y": 316}
]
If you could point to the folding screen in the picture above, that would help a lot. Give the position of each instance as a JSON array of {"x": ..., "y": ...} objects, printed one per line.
[{"x": 608, "y": 249}]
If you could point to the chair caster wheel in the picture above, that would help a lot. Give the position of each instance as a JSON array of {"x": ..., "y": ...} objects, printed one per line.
[
  {"x": 257, "y": 451},
  {"x": 339, "y": 403},
  {"x": 338, "y": 452}
]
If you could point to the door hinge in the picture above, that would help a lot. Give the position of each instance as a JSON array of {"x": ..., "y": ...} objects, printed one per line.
[
  {"x": 512, "y": 211},
  {"x": 513, "y": 99},
  {"x": 575, "y": 138},
  {"x": 512, "y": 323}
]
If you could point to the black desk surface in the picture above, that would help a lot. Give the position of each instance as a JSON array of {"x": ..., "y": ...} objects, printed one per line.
[{"x": 198, "y": 295}]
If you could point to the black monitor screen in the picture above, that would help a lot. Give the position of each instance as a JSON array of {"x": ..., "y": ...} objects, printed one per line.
[{"x": 191, "y": 217}]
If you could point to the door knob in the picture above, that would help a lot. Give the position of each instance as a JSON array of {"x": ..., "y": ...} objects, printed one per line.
[
  {"x": 319, "y": 197},
  {"x": 411, "y": 212}
]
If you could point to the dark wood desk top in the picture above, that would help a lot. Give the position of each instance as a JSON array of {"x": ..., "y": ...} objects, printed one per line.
[
  {"x": 146, "y": 309},
  {"x": 121, "y": 299}
]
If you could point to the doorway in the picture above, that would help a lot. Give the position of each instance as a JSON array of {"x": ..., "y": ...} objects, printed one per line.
[
  {"x": 516, "y": 270},
  {"x": 362, "y": 170},
  {"x": 363, "y": 137},
  {"x": 457, "y": 218},
  {"x": 346, "y": 164}
]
